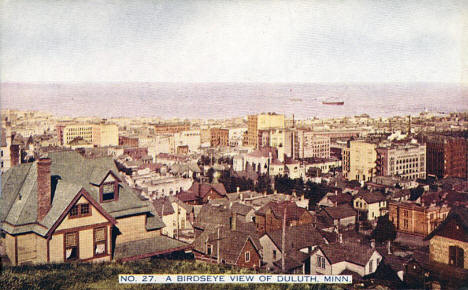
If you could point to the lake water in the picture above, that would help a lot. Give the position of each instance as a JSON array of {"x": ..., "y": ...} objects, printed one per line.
[{"x": 221, "y": 100}]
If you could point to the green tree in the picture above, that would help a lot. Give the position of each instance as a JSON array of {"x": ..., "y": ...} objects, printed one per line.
[{"x": 384, "y": 231}]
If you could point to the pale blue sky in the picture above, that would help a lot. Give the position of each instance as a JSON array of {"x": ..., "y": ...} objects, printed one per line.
[{"x": 232, "y": 41}]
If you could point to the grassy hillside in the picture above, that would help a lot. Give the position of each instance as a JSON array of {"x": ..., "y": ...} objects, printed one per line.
[{"x": 105, "y": 275}]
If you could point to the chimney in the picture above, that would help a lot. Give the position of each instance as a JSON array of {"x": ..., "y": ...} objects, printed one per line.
[
  {"x": 241, "y": 196},
  {"x": 389, "y": 249},
  {"x": 238, "y": 189},
  {"x": 372, "y": 243},
  {"x": 341, "y": 238},
  {"x": 15, "y": 154},
  {"x": 232, "y": 221},
  {"x": 44, "y": 194}
]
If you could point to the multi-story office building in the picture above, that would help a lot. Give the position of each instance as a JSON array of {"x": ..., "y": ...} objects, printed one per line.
[
  {"x": 219, "y": 137},
  {"x": 163, "y": 128},
  {"x": 359, "y": 160},
  {"x": 311, "y": 145},
  {"x": 95, "y": 134},
  {"x": 190, "y": 138},
  {"x": 262, "y": 122},
  {"x": 446, "y": 156},
  {"x": 407, "y": 161}
]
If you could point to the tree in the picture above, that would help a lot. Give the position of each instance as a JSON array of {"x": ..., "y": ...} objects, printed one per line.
[
  {"x": 210, "y": 174},
  {"x": 415, "y": 193},
  {"x": 384, "y": 231}
]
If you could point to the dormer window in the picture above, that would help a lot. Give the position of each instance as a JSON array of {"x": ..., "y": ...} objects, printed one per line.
[{"x": 109, "y": 191}]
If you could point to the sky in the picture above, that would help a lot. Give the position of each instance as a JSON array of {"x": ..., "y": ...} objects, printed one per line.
[{"x": 338, "y": 41}]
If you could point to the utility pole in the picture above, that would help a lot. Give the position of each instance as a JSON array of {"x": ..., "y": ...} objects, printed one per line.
[
  {"x": 283, "y": 239},
  {"x": 218, "y": 258}
]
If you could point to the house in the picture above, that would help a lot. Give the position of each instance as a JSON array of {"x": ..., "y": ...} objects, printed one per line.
[
  {"x": 214, "y": 215},
  {"x": 342, "y": 216},
  {"x": 448, "y": 243},
  {"x": 370, "y": 205},
  {"x": 334, "y": 259},
  {"x": 335, "y": 199},
  {"x": 270, "y": 216},
  {"x": 201, "y": 193},
  {"x": 224, "y": 245},
  {"x": 175, "y": 215},
  {"x": 302, "y": 238},
  {"x": 67, "y": 208}
]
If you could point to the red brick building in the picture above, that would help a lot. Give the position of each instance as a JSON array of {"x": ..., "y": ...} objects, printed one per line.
[
  {"x": 128, "y": 141},
  {"x": 446, "y": 156},
  {"x": 219, "y": 137}
]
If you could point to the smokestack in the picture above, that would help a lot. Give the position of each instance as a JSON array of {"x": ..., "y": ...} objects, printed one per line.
[{"x": 44, "y": 194}]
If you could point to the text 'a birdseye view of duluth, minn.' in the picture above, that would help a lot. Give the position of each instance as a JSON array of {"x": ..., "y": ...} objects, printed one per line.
[{"x": 383, "y": 199}]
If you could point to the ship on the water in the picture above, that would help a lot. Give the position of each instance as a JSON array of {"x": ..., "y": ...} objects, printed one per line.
[{"x": 336, "y": 103}]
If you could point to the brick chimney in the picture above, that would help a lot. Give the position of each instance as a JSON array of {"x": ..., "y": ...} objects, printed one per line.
[{"x": 44, "y": 195}]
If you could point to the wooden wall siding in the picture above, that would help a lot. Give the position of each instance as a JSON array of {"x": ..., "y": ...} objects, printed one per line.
[
  {"x": 10, "y": 247},
  {"x": 26, "y": 248},
  {"x": 41, "y": 249},
  {"x": 95, "y": 218},
  {"x": 133, "y": 229},
  {"x": 56, "y": 248},
  {"x": 255, "y": 258},
  {"x": 313, "y": 265},
  {"x": 86, "y": 244},
  {"x": 439, "y": 249}
]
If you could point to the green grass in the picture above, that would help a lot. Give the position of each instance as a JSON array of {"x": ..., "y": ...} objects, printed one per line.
[{"x": 105, "y": 275}]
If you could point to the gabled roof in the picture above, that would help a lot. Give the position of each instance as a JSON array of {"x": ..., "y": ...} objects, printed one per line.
[
  {"x": 51, "y": 215},
  {"x": 200, "y": 190},
  {"x": 231, "y": 243},
  {"x": 460, "y": 214},
  {"x": 371, "y": 197},
  {"x": 293, "y": 212},
  {"x": 350, "y": 252},
  {"x": 297, "y": 237},
  {"x": 70, "y": 172},
  {"x": 163, "y": 206},
  {"x": 339, "y": 212}
]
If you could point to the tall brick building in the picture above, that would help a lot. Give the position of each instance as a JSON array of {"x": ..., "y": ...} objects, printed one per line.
[
  {"x": 219, "y": 137},
  {"x": 446, "y": 156}
]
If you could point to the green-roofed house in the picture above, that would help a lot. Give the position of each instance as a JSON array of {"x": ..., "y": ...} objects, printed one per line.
[{"x": 68, "y": 208}]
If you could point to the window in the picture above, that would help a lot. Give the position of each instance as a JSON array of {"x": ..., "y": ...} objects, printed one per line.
[
  {"x": 274, "y": 254},
  {"x": 456, "y": 256},
  {"x": 321, "y": 262},
  {"x": 371, "y": 266},
  {"x": 209, "y": 250},
  {"x": 100, "y": 241},
  {"x": 71, "y": 246},
  {"x": 247, "y": 256},
  {"x": 80, "y": 210},
  {"x": 110, "y": 191}
]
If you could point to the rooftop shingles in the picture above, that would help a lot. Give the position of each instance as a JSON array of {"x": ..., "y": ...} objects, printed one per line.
[{"x": 147, "y": 248}]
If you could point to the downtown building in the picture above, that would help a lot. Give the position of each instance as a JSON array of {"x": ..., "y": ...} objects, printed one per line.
[
  {"x": 407, "y": 161},
  {"x": 92, "y": 134},
  {"x": 259, "y": 125},
  {"x": 446, "y": 156},
  {"x": 359, "y": 160}
]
